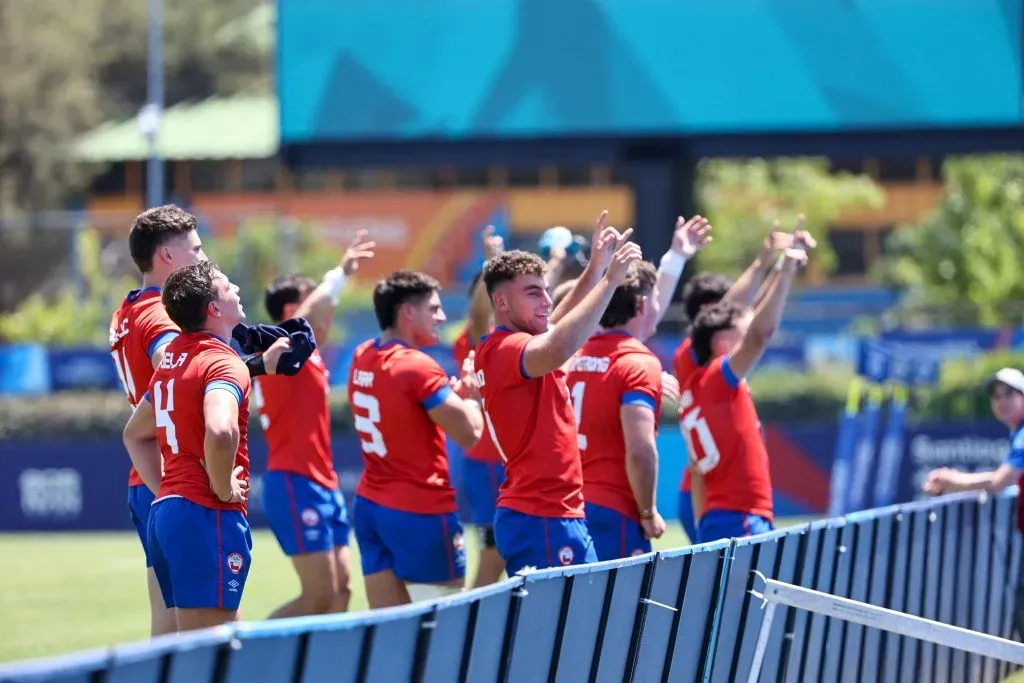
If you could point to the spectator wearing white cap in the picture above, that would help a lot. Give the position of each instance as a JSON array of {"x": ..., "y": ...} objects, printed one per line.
[{"x": 1006, "y": 392}]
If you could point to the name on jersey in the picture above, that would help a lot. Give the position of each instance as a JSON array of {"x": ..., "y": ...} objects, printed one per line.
[
  {"x": 589, "y": 364},
  {"x": 117, "y": 333},
  {"x": 171, "y": 361},
  {"x": 362, "y": 378}
]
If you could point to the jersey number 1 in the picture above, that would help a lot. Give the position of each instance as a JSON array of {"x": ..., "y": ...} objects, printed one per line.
[
  {"x": 577, "y": 408},
  {"x": 163, "y": 406},
  {"x": 367, "y": 424}
]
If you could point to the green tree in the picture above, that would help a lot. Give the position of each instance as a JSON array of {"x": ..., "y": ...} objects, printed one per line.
[
  {"x": 962, "y": 264},
  {"x": 742, "y": 198}
]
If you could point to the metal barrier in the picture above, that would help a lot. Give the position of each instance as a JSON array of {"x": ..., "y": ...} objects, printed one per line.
[{"x": 680, "y": 615}]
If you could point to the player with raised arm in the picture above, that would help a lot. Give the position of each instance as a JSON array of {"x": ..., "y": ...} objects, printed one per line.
[
  {"x": 718, "y": 417},
  {"x": 301, "y": 499},
  {"x": 527, "y": 408},
  {"x": 482, "y": 471},
  {"x": 194, "y": 419},
  {"x": 706, "y": 289},
  {"x": 410, "y": 539}
]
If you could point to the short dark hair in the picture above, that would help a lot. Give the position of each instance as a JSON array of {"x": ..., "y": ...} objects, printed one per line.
[
  {"x": 284, "y": 290},
  {"x": 704, "y": 289},
  {"x": 508, "y": 265},
  {"x": 402, "y": 286},
  {"x": 155, "y": 227},
  {"x": 187, "y": 294},
  {"x": 709, "y": 322},
  {"x": 640, "y": 280}
]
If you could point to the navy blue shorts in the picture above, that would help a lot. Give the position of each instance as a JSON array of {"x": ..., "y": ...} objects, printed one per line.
[
  {"x": 417, "y": 548},
  {"x": 140, "y": 498},
  {"x": 480, "y": 483},
  {"x": 615, "y": 535},
  {"x": 718, "y": 524},
  {"x": 686, "y": 515},
  {"x": 304, "y": 516},
  {"x": 200, "y": 555},
  {"x": 529, "y": 541}
]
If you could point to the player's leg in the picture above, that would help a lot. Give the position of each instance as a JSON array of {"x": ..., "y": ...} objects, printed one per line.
[
  {"x": 383, "y": 588},
  {"x": 615, "y": 535},
  {"x": 481, "y": 481},
  {"x": 341, "y": 531},
  {"x": 300, "y": 514},
  {"x": 208, "y": 555},
  {"x": 161, "y": 571},
  {"x": 429, "y": 551},
  {"x": 161, "y": 617},
  {"x": 686, "y": 516}
]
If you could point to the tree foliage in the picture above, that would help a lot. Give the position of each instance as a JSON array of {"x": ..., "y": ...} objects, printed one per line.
[
  {"x": 69, "y": 66},
  {"x": 964, "y": 261},
  {"x": 742, "y": 198}
]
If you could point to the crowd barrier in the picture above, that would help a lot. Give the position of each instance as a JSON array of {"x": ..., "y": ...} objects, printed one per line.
[{"x": 678, "y": 615}]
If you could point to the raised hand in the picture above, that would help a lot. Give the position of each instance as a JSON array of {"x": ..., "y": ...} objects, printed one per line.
[
  {"x": 466, "y": 385},
  {"x": 690, "y": 236},
  {"x": 801, "y": 236},
  {"x": 603, "y": 242},
  {"x": 359, "y": 250},
  {"x": 272, "y": 356},
  {"x": 625, "y": 254},
  {"x": 492, "y": 244}
]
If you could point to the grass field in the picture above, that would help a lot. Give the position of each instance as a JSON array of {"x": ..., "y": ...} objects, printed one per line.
[{"x": 66, "y": 592}]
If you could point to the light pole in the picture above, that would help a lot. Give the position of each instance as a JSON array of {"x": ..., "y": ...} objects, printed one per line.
[{"x": 150, "y": 115}]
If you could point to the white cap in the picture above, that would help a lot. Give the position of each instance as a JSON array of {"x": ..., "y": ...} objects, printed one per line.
[{"x": 1011, "y": 377}]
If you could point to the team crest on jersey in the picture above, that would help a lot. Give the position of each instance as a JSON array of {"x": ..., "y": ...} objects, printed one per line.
[
  {"x": 565, "y": 555},
  {"x": 310, "y": 517},
  {"x": 235, "y": 563},
  {"x": 458, "y": 541}
]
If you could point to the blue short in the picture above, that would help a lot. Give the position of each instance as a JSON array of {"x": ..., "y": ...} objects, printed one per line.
[
  {"x": 140, "y": 498},
  {"x": 718, "y": 524},
  {"x": 417, "y": 548},
  {"x": 615, "y": 535},
  {"x": 304, "y": 516},
  {"x": 480, "y": 483},
  {"x": 200, "y": 555},
  {"x": 686, "y": 515},
  {"x": 529, "y": 541}
]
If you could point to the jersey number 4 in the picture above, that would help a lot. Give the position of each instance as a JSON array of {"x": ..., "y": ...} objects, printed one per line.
[
  {"x": 163, "y": 406},
  {"x": 367, "y": 424},
  {"x": 692, "y": 423}
]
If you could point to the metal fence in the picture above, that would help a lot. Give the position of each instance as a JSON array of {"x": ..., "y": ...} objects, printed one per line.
[{"x": 678, "y": 615}]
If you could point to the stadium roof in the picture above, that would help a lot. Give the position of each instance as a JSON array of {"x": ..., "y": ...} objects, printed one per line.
[{"x": 237, "y": 127}]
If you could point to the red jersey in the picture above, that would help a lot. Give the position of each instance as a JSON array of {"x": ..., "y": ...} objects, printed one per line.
[
  {"x": 391, "y": 388},
  {"x": 484, "y": 450},
  {"x": 296, "y": 419},
  {"x": 194, "y": 364},
  {"x": 533, "y": 428},
  {"x": 683, "y": 364},
  {"x": 722, "y": 430},
  {"x": 137, "y": 329},
  {"x": 612, "y": 369}
]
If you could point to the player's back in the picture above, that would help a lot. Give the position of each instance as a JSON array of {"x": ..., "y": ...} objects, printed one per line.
[
  {"x": 192, "y": 365},
  {"x": 722, "y": 429},
  {"x": 138, "y": 327},
  {"x": 532, "y": 424},
  {"x": 296, "y": 418},
  {"x": 612, "y": 369},
  {"x": 391, "y": 387}
]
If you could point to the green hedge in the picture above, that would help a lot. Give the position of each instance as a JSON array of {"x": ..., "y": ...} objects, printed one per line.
[{"x": 781, "y": 397}]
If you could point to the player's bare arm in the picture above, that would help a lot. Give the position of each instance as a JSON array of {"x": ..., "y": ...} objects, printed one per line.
[
  {"x": 745, "y": 290},
  {"x": 220, "y": 413},
  {"x": 318, "y": 307},
  {"x": 480, "y": 314},
  {"x": 801, "y": 239},
  {"x": 272, "y": 356},
  {"x": 547, "y": 352},
  {"x": 142, "y": 445},
  {"x": 459, "y": 415},
  {"x": 638, "y": 429},
  {"x": 602, "y": 247},
  {"x": 767, "y": 316},
  {"x": 948, "y": 480},
  {"x": 689, "y": 237}
]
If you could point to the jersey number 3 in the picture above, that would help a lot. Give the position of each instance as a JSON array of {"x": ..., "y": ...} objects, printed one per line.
[
  {"x": 692, "y": 422},
  {"x": 163, "y": 406},
  {"x": 367, "y": 424}
]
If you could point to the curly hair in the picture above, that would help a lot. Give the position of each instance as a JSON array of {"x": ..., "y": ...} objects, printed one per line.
[
  {"x": 710, "y": 321},
  {"x": 704, "y": 289},
  {"x": 509, "y": 265}
]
